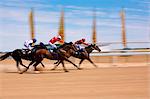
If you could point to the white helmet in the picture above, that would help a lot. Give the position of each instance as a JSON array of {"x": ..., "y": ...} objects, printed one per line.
[{"x": 59, "y": 37}]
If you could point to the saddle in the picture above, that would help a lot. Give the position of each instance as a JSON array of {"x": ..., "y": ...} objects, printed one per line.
[{"x": 36, "y": 47}]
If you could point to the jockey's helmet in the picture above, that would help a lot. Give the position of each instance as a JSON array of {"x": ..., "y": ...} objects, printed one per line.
[
  {"x": 83, "y": 39},
  {"x": 59, "y": 37},
  {"x": 42, "y": 44},
  {"x": 34, "y": 40}
]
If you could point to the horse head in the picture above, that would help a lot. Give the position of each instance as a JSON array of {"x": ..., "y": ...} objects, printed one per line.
[
  {"x": 68, "y": 46},
  {"x": 95, "y": 47}
]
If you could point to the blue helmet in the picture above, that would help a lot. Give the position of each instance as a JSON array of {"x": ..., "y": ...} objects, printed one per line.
[
  {"x": 41, "y": 43},
  {"x": 34, "y": 40}
]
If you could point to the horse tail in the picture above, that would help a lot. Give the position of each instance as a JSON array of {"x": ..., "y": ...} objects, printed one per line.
[{"x": 5, "y": 56}]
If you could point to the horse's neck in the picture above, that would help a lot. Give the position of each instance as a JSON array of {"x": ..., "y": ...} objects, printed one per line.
[
  {"x": 66, "y": 48},
  {"x": 88, "y": 49}
]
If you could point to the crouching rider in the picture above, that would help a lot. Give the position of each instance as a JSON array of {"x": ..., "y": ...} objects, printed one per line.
[
  {"x": 52, "y": 42},
  {"x": 29, "y": 44},
  {"x": 78, "y": 45}
]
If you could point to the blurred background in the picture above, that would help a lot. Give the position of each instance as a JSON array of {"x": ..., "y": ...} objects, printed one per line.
[{"x": 111, "y": 24}]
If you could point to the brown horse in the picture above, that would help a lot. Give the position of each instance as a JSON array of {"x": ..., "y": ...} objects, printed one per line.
[
  {"x": 60, "y": 55},
  {"x": 84, "y": 55}
]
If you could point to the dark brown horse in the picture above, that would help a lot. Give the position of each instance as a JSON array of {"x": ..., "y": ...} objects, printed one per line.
[
  {"x": 83, "y": 55},
  {"x": 60, "y": 55},
  {"x": 86, "y": 54},
  {"x": 19, "y": 54}
]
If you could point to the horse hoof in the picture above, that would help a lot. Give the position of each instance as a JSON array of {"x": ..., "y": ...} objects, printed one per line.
[
  {"x": 55, "y": 62},
  {"x": 52, "y": 69},
  {"x": 20, "y": 72},
  {"x": 80, "y": 68},
  {"x": 66, "y": 71}
]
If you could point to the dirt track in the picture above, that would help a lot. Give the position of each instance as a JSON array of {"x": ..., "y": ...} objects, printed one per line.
[{"x": 89, "y": 83}]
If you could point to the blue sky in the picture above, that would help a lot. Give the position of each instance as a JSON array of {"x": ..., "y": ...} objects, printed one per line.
[{"x": 14, "y": 22}]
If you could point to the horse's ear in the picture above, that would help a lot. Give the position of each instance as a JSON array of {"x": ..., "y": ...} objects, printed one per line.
[{"x": 71, "y": 43}]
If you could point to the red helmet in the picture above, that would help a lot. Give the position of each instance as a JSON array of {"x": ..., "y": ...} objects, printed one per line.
[{"x": 83, "y": 39}]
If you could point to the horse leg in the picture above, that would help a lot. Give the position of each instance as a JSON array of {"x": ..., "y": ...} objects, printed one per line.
[
  {"x": 22, "y": 64},
  {"x": 27, "y": 67},
  {"x": 58, "y": 62},
  {"x": 17, "y": 64},
  {"x": 91, "y": 62},
  {"x": 35, "y": 69},
  {"x": 72, "y": 63},
  {"x": 64, "y": 66},
  {"x": 42, "y": 64},
  {"x": 81, "y": 61}
]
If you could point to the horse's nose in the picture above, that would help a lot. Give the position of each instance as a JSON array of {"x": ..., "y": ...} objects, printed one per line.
[{"x": 99, "y": 50}]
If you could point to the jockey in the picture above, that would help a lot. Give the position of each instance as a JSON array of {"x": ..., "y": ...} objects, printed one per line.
[
  {"x": 82, "y": 41},
  {"x": 53, "y": 41},
  {"x": 28, "y": 43},
  {"x": 79, "y": 42}
]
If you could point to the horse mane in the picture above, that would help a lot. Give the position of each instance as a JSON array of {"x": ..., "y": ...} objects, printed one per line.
[
  {"x": 89, "y": 46},
  {"x": 65, "y": 44}
]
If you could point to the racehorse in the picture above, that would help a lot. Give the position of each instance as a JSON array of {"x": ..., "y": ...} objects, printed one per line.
[
  {"x": 60, "y": 54},
  {"x": 19, "y": 54},
  {"x": 83, "y": 55},
  {"x": 86, "y": 54}
]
